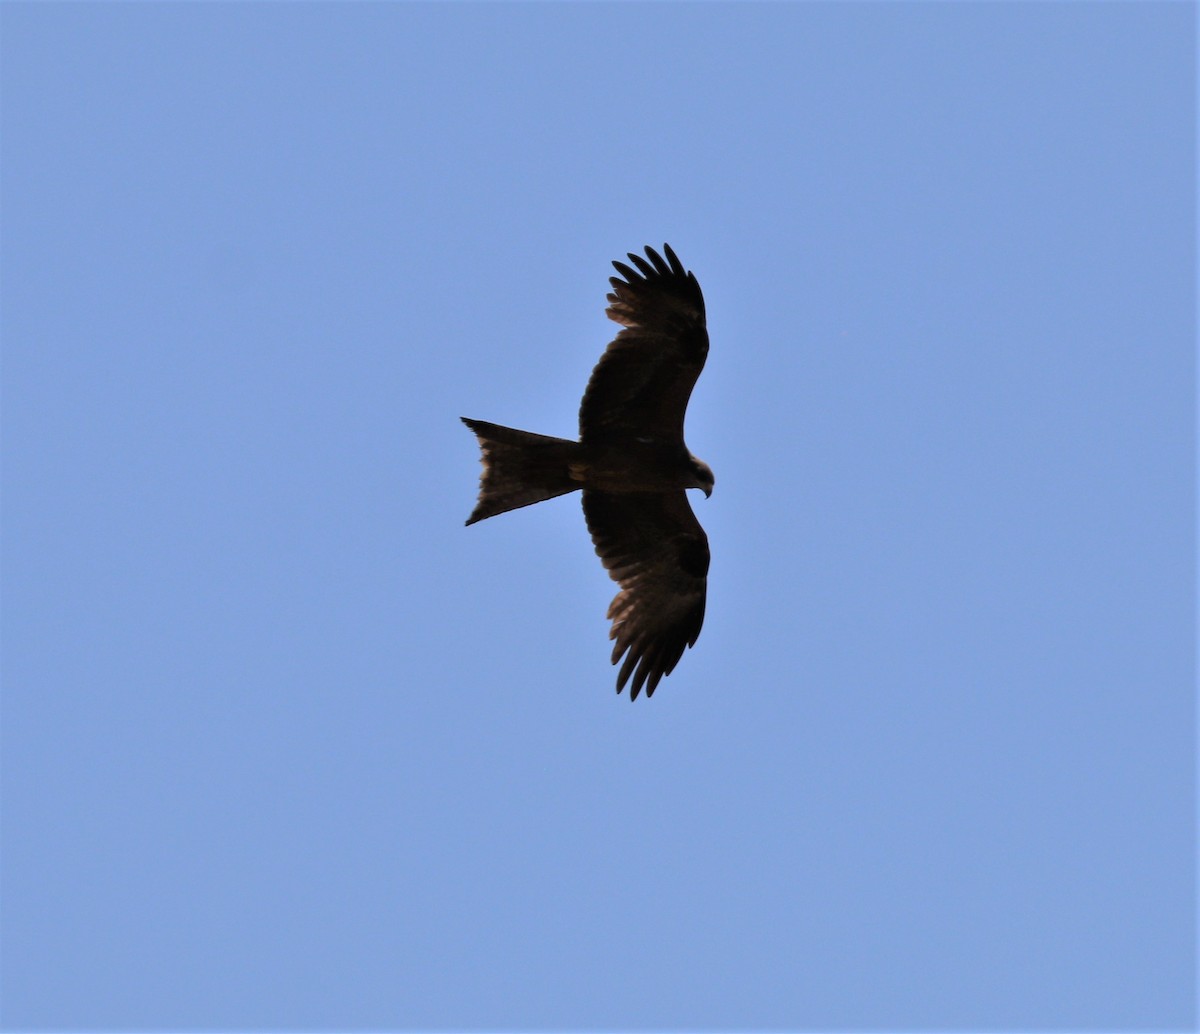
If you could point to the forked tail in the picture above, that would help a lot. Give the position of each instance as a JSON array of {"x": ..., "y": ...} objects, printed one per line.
[{"x": 519, "y": 468}]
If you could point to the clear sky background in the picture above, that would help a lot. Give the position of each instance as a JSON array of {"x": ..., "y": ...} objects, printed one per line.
[{"x": 287, "y": 746}]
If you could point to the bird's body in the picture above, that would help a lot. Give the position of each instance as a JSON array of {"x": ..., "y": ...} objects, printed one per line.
[
  {"x": 632, "y": 465},
  {"x": 639, "y": 466}
]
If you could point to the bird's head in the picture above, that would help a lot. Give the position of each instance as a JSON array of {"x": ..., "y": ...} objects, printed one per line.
[{"x": 704, "y": 476}]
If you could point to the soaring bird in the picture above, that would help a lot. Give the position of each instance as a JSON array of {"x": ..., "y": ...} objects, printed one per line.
[{"x": 632, "y": 465}]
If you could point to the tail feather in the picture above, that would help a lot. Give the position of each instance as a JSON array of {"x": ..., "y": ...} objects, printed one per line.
[{"x": 519, "y": 468}]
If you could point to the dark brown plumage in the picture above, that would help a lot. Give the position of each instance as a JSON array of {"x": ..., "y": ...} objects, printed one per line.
[{"x": 632, "y": 464}]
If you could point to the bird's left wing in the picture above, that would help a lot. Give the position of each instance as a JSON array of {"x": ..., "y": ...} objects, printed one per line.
[{"x": 654, "y": 548}]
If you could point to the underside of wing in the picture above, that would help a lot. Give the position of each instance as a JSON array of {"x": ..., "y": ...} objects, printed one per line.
[
  {"x": 641, "y": 386},
  {"x": 654, "y": 548}
]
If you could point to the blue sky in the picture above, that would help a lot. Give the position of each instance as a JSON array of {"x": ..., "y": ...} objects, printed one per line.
[{"x": 287, "y": 746}]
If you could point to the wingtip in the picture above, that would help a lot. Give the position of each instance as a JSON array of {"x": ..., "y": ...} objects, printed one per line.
[
  {"x": 677, "y": 267},
  {"x": 626, "y": 271}
]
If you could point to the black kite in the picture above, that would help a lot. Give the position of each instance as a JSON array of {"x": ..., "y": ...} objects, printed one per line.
[{"x": 632, "y": 465}]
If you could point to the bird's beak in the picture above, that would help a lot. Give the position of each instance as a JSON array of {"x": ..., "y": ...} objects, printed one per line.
[{"x": 707, "y": 493}]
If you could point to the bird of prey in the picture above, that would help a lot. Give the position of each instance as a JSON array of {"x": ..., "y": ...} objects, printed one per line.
[{"x": 632, "y": 465}]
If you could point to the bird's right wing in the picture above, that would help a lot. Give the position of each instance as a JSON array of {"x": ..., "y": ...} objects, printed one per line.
[{"x": 641, "y": 386}]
